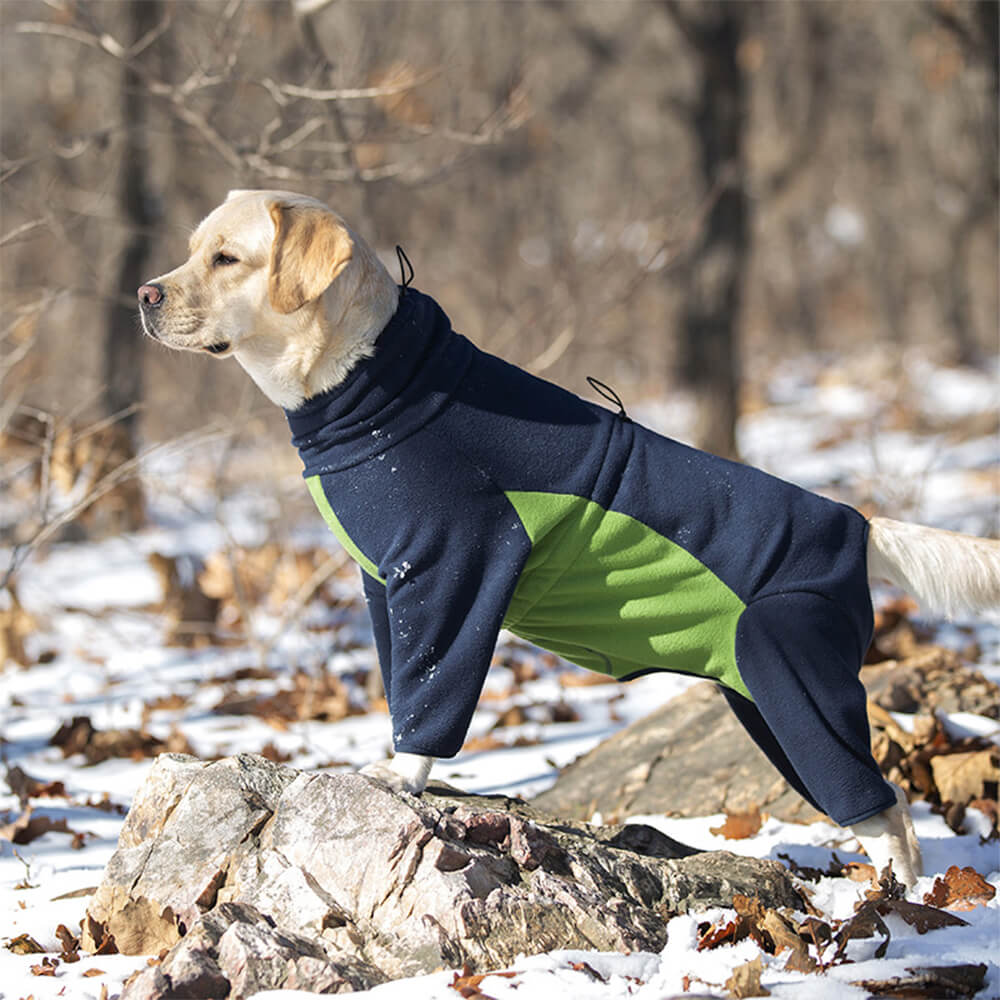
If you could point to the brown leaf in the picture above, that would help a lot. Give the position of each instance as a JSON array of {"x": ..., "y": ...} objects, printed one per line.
[
  {"x": 785, "y": 938},
  {"x": 769, "y": 929},
  {"x": 961, "y": 889},
  {"x": 961, "y": 777},
  {"x": 739, "y": 825},
  {"x": 26, "y": 787},
  {"x": 587, "y": 970},
  {"x": 467, "y": 985},
  {"x": 865, "y": 923},
  {"x": 69, "y": 941},
  {"x": 745, "y": 980},
  {"x": 89, "y": 973},
  {"x": 25, "y": 944},
  {"x": 725, "y": 932},
  {"x": 921, "y": 918},
  {"x": 28, "y": 827},
  {"x": 860, "y": 871},
  {"x": 47, "y": 968}
]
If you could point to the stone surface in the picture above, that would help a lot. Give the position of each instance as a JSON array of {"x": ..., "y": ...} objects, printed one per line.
[
  {"x": 689, "y": 758},
  {"x": 235, "y": 951},
  {"x": 241, "y": 866}
]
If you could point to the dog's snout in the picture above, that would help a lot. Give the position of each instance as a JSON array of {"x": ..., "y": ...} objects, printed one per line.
[{"x": 151, "y": 296}]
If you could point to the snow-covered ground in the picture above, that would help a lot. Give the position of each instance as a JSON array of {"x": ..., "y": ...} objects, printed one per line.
[{"x": 99, "y": 652}]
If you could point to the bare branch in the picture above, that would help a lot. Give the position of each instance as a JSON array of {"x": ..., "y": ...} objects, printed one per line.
[
  {"x": 281, "y": 91},
  {"x": 22, "y": 230},
  {"x": 129, "y": 468}
]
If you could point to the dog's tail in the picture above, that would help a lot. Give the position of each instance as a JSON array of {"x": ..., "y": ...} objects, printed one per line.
[{"x": 946, "y": 572}]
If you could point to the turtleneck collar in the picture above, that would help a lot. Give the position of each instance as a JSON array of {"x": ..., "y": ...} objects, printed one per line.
[{"x": 417, "y": 364}]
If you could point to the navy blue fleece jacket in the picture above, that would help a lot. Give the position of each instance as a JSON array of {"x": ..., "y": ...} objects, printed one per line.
[{"x": 476, "y": 496}]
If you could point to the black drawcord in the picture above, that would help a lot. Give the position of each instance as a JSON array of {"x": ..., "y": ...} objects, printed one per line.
[
  {"x": 404, "y": 266},
  {"x": 609, "y": 394}
]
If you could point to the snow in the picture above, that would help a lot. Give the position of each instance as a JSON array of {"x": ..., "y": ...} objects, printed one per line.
[{"x": 103, "y": 656}]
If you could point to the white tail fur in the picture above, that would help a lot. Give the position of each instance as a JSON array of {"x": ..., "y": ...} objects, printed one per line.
[{"x": 946, "y": 572}]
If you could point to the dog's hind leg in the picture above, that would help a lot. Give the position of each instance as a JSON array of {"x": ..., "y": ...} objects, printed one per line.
[{"x": 799, "y": 656}]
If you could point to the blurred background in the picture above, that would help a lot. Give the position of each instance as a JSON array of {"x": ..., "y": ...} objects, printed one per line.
[{"x": 673, "y": 196}]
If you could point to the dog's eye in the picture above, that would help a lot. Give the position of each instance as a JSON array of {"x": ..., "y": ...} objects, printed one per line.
[{"x": 223, "y": 259}]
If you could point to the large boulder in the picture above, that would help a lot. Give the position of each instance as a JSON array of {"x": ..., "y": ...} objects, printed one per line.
[{"x": 251, "y": 857}]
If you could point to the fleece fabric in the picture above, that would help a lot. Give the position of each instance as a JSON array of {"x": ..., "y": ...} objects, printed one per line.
[{"x": 475, "y": 496}]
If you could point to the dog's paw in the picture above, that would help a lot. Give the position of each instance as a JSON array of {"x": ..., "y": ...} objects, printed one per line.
[
  {"x": 382, "y": 772},
  {"x": 403, "y": 773}
]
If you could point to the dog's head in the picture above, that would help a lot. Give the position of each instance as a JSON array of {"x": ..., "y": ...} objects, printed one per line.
[{"x": 279, "y": 281}]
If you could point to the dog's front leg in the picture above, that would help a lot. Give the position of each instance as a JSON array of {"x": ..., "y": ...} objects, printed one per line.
[
  {"x": 889, "y": 837},
  {"x": 405, "y": 772}
]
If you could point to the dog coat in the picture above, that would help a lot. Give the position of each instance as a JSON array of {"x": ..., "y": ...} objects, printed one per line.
[{"x": 475, "y": 496}]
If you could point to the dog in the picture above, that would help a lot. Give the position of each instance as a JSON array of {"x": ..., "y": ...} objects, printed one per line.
[{"x": 475, "y": 496}]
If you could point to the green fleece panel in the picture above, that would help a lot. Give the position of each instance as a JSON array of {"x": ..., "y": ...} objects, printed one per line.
[
  {"x": 319, "y": 498},
  {"x": 634, "y": 600}
]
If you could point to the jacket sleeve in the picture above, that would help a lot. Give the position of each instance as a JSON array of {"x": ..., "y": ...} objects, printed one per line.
[
  {"x": 448, "y": 548},
  {"x": 446, "y": 593}
]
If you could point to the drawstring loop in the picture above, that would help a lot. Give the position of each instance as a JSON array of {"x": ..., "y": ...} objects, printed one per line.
[
  {"x": 609, "y": 394},
  {"x": 404, "y": 266}
]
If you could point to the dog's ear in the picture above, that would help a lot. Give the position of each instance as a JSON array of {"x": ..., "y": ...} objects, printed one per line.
[{"x": 311, "y": 247}]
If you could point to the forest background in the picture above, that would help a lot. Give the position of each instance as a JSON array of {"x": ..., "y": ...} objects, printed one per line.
[{"x": 668, "y": 195}]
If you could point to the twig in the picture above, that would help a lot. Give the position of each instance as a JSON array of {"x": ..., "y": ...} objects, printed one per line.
[
  {"x": 281, "y": 91},
  {"x": 23, "y": 550}
]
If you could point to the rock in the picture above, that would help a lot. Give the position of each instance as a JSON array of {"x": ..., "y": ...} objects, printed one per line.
[
  {"x": 239, "y": 862},
  {"x": 235, "y": 951},
  {"x": 689, "y": 758}
]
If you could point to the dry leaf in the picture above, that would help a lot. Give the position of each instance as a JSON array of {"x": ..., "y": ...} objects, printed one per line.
[
  {"x": 745, "y": 980},
  {"x": 47, "y": 967},
  {"x": 725, "y": 932},
  {"x": 28, "y": 827},
  {"x": 739, "y": 825},
  {"x": 25, "y": 944},
  {"x": 961, "y": 889},
  {"x": 921, "y": 918},
  {"x": 587, "y": 970},
  {"x": 860, "y": 871},
  {"x": 467, "y": 985},
  {"x": 961, "y": 777}
]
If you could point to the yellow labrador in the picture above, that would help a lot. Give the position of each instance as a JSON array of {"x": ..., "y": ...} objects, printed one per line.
[{"x": 282, "y": 283}]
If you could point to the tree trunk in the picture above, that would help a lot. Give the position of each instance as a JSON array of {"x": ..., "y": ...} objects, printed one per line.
[
  {"x": 123, "y": 344},
  {"x": 710, "y": 350}
]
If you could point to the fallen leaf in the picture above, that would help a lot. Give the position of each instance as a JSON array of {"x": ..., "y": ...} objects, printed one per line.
[
  {"x": 739, "y": 825},
  {"x": 25, "y": 944},
  {"x": 70, "y": 944},
  {"x": 961, "y": 889},
  {"x": 866, "y": 923},
  {"x": 745, "y": 980},
  {"x": 47, "y": 967},
  {"x": 467, "y": 985},
  {"x": 587, "y": 970},
  {"x": 725, "y": 932},
  {"x": 860, "y": 871},
  {"x": 920, "y": 917},
  {"x": 28, "y": 827},
  {"x": 90, "y": 973},
  {"x": 961, "y": 777}
]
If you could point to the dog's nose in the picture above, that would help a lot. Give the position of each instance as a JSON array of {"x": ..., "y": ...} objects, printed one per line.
[{"x": 151, "y": 296}]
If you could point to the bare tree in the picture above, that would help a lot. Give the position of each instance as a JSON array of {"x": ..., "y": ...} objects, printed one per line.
[
  {"x": 717, "y": 264},
  {"x": 123, "y": 348}
]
